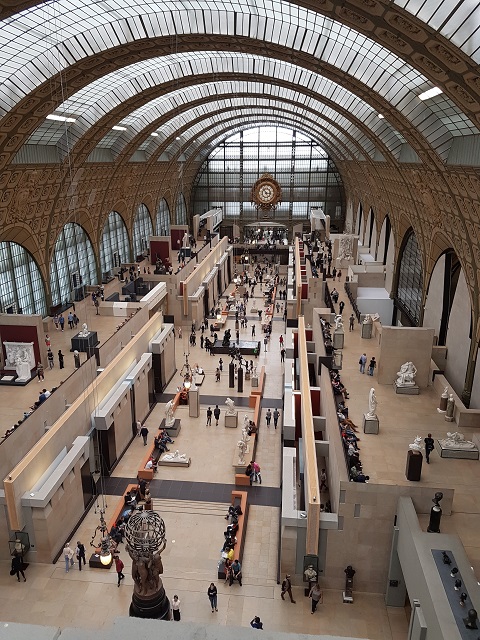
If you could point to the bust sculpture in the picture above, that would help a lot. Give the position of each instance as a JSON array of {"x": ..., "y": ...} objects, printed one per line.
[
  {"x": 416, "y": 444},
  {"x": 85, "y": 331},
  {"x": 456, "y": 441},
  {"x": 449, "y": 413},
  {"x": 231, "y": 407},
  {"x": 175, "y": 457},
  {"x": 406, "y": 375},
  {"x": 338, "y": 323},
  {"x": 367, "y": 319},
  {"x": 310, "y": 574},
  {"x": 242, "y": 448},
  {"x": 169, "y": 417},
  {"x": 372, "y": 404}
]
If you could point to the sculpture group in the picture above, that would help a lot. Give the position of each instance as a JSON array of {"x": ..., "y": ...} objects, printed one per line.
[
  {"x": 406, "y": 375},
  {"x": 230, "y": 407}
]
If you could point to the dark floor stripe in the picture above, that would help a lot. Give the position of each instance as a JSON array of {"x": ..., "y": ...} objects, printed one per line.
[{"x": 198, "y": 491}]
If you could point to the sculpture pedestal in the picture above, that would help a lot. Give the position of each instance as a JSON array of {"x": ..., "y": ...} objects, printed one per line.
[
  {"x": 451, "y": 452},
  {"x": 231, "y": 420},
  {"x": 86, "y": 344},
  {"x": 367, "y": 331},
  {"x": 409, "y": 390},
  {"x": 155, "y": 607},
  {"x": 413, "y": 471},
  {"x": 338, "y": 339},
  {"x": 254, "y": 382},
  {"x": 370, "y": 425},
  {"x": 443, "y": 404},
  {"x": 172, "y": 430},
  {"x": 193, "y": 403},
  {"x": 23, "y": 372}
]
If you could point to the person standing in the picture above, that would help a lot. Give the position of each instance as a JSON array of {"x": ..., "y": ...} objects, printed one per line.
[
  {"x": 282, "y": 354},
  {"x": 362, "y": 362},
  {"x": 68, "y": 556},
  {"x": 17, "y": 566},
  {"x": 220, "y": 364},
  {"x": 429, "y": 447},
  {"x": 253, "y": 330},
  {"x": 323, "y": 480},
  {"x": 202, "y": 340},
  {"x": 212, "y": 596},
  {"x": 276, "y": 415},
  {"x": 119, "y": 569},
  {"x": 48, "y": 342},
  {"x": 217, "y": 375},
  {"x": 70, "y": 320},
  {"x": 76, "y": 359},
  {"x": 316, "y": 596},
  {"x": 55, "y": 321},
  {"x": 40, "y": 372},
  {"x": 51, "y": 363},
  {"x": 257, "y": 476},
  {"x": 144, "y": 434},
  {"x": 209, "y": 417},
  {"x": 80, "y": 553},
  {"x": 351, "y": 322},
  {"x": 60, "y": 359},
  {"x": 341, "y": 307},
  {"x": 176, "y": 608},
  {"x": 268, "y": 417},
  {"x": 287, "y": 588},
  {"x": 61, "y": 321},
  {"x": 216, "y": 413},
  {"x": 334, "y": 273},
  {"x": 371, "y": 366},
  {"x": 280, "y": 340}
]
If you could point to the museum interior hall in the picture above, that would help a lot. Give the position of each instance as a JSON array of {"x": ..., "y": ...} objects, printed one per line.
[{"x": 240, "y": 319}]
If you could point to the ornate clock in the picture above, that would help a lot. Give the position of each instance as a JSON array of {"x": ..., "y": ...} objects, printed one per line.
[{"x": 266, "y": 193}]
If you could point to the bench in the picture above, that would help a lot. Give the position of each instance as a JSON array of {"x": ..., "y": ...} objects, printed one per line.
[
  {"x": 238, "y": 498},
  {"x": 147, "y": 474},
  {"x": 241, "y": 480}
]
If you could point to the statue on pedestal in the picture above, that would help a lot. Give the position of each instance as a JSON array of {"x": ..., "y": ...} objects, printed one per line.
[
  {"x": 84, "y": 332},
  {"x": 449, "y": 417},
  {"x": 338, "y": 323},
  {"x": 367, "y": 319},
  {"x": 169, "y": 417},
  {"x": 456, "y": 441},
  {"x": 242, "y": 448},
  {"x": 443, "y": 401},
  {"x": 406, "y": 375},
  {"x": 145, "y": 539},
  {"x": 372, "y": 405},
  {"x": 185, "y": 241},
  {"x": 231, "y": 407},
  {"x": 310, "y": 575},
  {"x": 416, "y": 444},
  {"x": 175, "y": 457}
]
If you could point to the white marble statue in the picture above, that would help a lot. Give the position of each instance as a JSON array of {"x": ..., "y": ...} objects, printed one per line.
[
  {"x": 345, "y": 248},
  {"x": 246, "y": 421},
  {"x": 242, "y": 448},
  {"x": 367, "y": 319},
  {"x": 175, "y": 457},
  {"x": 406, "y": 375},
  {"x": 375, "y": 317},
  {"x": 449, "y": 413},
  {"x": 372, "y": 404},
  {"x": 416, "y": 444},
  {"x": 84, "y": 332},
  {"x": 245, "y": 436},
  {"x": 231, "y": 407},
  {"x": 185, "y": 241},
  {"x": 338, "y": 323},
  {"x": 255, "y": 374},
  {"x": 169, "y": 417},
  {"x": 456, "y": 440}
]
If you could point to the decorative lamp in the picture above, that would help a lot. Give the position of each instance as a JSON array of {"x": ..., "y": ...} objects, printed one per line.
[
  {"x": 187, "y": 384},
  {"x": 219, "y": 316},
  {"x": 105, "y": 553}
]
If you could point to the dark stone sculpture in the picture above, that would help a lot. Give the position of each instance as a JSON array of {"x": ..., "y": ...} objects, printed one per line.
[
  {"x": 435, "y": 514},
  {"x": 446, "y": 558},
  {"x": 471, "y": 620}
]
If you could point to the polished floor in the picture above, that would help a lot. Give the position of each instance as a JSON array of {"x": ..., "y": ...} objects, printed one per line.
[{"x": 192, "y": 502}]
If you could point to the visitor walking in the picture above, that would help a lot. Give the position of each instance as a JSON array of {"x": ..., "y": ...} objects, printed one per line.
[
  {"x": 216, "y": 413},
  {"x": 80, "y": 553},
  {"x": 429, "y": 447},
  {"x": 282, "y": 354},
  {"x": 144, "y": 434},
  {"x": 217, "y": 375},
  {"x": 176, "y": 608},
  {"x": 253, "y": 330},
  {"x": 351, "y": 322},
  {"x": 287, "y": 588},
  {"x": 51, "y": 363},
  {"x": 40, "y": 372},
  {"x": 17, "y": 567},
  {"x": 268, "y": 417},
  {"x": 316, "y": 596},
  {"x": 61, "y": 321},
  {"x": 341, "y": 307},
  {"x": 371, "y": 366},
  {"x": 276, "y": 415},
  {"x": 60, "y": 359},
  {"x": 76, "y": 359},
  {"x": 212, "y": 596},
  {"x": 323, "y": 480},
  {"x": 209, "y": 417},
  {"x": 362, "y": 362},
  {"x": 119, "y": 569},
  {"x": 68, "y": 556}
]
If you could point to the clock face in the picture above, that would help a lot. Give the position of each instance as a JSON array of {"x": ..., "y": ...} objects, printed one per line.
[{"x": 266, "y": 193}]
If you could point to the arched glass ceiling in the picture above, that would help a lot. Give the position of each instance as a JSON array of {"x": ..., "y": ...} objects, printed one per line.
[
  {"x": 151, "y": 73},
  {"x": 457, "y": 20},
  {"x": 311, "y": 108},
  {"x": 191, "y": 130},
  {"x": 224, "y": 125},
  {"x": 36, "y": 43}
]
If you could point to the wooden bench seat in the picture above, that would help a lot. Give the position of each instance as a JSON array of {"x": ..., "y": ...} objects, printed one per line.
[
  {"x": 238, "y": 498},
  {"x": 241, "y": 480}
]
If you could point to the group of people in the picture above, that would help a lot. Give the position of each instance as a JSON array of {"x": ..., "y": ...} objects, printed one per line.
[
  {"x": 371, "y": 365},
  {"x": 348, "y": 432},
  {"x": 337, "y": 385}
]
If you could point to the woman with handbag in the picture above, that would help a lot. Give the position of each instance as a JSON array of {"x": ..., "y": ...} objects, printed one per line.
[
  {"x": 316, "y": 595},
  {"x": 212, "y": 596}
]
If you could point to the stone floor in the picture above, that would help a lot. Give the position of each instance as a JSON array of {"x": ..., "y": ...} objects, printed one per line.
[{"x": 91, "y": 598}]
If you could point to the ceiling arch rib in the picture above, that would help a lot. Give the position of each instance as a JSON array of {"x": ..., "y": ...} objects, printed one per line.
[
  {"x": 188, "y": 129},
  {"x": 109, "y": 95},
  {"x": 254, "y": 96},
  {"x": 28, "y": 64},
  {"x": 192, "y": 134}
]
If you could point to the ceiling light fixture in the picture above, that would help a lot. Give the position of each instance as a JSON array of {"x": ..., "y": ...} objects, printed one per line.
[
  {"x": 155, "y": 135},
  {"x": 54, "y": 116},
  {"x": 116, "y": 128},
  {"x": 381, "y": 117},
  {"x": 431, "y": 93}
]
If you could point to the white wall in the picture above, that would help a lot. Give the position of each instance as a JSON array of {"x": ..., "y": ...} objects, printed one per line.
[
  {"x": 434, "y": 304},
  {"x": 458, "y": 341}
]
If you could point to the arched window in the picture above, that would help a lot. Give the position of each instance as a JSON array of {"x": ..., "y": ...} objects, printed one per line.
[
  {"x": 21, "y": 284},
  {"x": 142, "y": 229},
  {"x": 163, "y": 219},
  {"x": 73, "y": 263},
  {"x": 114, "y": 246},
  {"x": 410, "y": 280},
  {"x": 181, "y": 212}
]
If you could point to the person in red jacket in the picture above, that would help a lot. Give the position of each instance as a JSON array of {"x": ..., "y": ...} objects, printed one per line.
[{"x": 119, "y": 569}]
